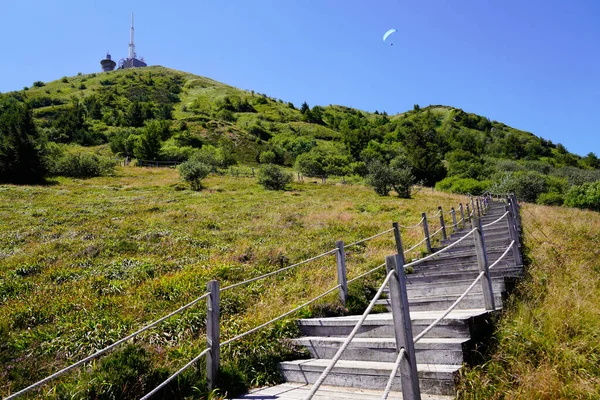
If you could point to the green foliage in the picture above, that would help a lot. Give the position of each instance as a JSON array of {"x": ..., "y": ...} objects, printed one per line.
[
  {"x": 193, "y": 172},
  {"x": 454, "y": 184},
  {"x": 150, "y": 140},
  {"x": 397, "y": 175},
  {"x": 134, "y": 115},
  {"x": 551, "y": 199},
  {"x": 38, "y": 84},
  {"x": 584, "y": 196},
  {"x": 526, "y": 185},
  {"x": 324, "y": 160},
  {"x": 267, "y": 157},
  {"x": 125, "y": 374},
  {"x": 273, "y": 177},
  {"x": 22, "y": 149},
  {"x": 82, "y": 165}
]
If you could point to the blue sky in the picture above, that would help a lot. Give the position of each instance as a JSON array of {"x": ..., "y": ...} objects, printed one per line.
[{"x": 531, "y": 64}]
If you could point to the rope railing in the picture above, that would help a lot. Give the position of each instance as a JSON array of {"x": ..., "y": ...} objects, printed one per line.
[
  {"x": 436, "y": 232},
  {"x": 278, "y": 271},
  {"x": 412, "y": 226},
  {"x": 496, "y": 221},
  {"x": 420, "y": 260},
  {"x": 369, "y": 238},
  {"x": 388, "y": 386},
  {"x": 365, "y": 274},
  {"x": 175, "y": 375},
  {"x": 241, "y": 335},
  {"x": 512, "y": 243},
  {"x": 346, "y": 343},
  {"x": 415, "y": 246},
  {"x": 104, "y": 350}
]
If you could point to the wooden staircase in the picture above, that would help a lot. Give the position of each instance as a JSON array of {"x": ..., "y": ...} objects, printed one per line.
[{"x": 433, "y": 286}]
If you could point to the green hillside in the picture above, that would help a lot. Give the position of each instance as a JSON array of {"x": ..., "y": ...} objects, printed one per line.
[{"x": 156, "y": 113}]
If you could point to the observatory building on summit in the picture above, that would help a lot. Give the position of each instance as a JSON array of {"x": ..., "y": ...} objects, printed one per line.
[{"x": 132, "y": 60}]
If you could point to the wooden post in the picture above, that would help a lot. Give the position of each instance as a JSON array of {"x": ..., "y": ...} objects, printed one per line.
[
  {"x": 253, "y": 172},
  {"x": 468, "y": 213},
  {"x": 482, "y": 262},
  {"x": 426, "y": 231},
  {"x": 462, "y": 214},
  {"x": 442, "y": 224},
  {"x": 212, "y": 334},
  {"x": 478, "y": 208},
  {"x": 340, "y": 258},
  {"x": 512, "y": 229},
  {"x": 472, "y": 204},
  {"x": 454, "y": 224},
  {"x": 403, "y": 328},
  {"x": 398, "y": 238}
]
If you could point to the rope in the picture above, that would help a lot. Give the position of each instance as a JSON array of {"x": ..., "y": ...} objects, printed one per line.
[
  {"x": 186, "y": 366},
  {"x": 436, "y": 232},
  {"x": 104, "y": 350},
  {"x": 437, "y": 213},
  {"x": 503, "y": 255},
  {"x": 365, "y": 274},
  {"x": 369, "y": 238},
  {"x": 278, "y": 271},
  {"x": 388, "y": 386},
  {"x": 445, "y": 314},
  {"x": 416, "y": 245},
  {"x": 278, "y": 318},
  {"x": 413, "y": 226},
  {"x": 492, "y": 223},
  {"x": 434, "y": 323},
  {"x": 420, "y": 260},
  {"x": 338, "y": 355}
]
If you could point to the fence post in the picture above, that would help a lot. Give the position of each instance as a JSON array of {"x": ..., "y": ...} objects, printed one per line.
[
  {"x": 426, "y": 231},
  {"x": 340, "y": 258},
  {"x": 512, "y": 229},
  {"x": 454, "y": 224},
  {"x": 462, "y": 214},
  {"x": 478, "y": 208},
  {"x": 516, "y": 209},
  {"x": 212, "y": 334},
  {"x": 472, "y": 204},
  {"x": 482, "y": 262},
  {"x": 253, "y": 172},
  {"x": 403, "y": 328},
  {"x": 469, "y": 214},
  {"x": 442, "y": 223},
  {"x": 398, "y": 238}
]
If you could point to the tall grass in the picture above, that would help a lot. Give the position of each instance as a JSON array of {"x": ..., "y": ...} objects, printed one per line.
[
  {"x": 85, "y": 262},
  {"x": 548, "y": 341}
]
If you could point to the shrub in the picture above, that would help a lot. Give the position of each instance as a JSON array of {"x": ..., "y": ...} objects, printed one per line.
[
  {"x": 193, "y": 171},
  {"x": 584, "y": 196},
  {"x": 455, "y": 184},
  {"x": 273, "y": 177},
  {"x": 267, "y": 157},
  {"x": 38, "y": 84},
  {"x": 82, "y": 165},
  {"x": 551, "y": 199}
]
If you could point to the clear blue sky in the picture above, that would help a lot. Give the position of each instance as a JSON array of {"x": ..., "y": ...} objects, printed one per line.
[{"x": 531, "y": 64}]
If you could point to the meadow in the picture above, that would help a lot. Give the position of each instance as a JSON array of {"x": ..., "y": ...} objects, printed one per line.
[{"x": 85, "y": 262}]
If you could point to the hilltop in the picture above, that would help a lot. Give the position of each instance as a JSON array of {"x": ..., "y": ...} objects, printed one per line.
[{"x": 465, "y": 151}]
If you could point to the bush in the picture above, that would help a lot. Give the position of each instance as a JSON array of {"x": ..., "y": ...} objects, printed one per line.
[
  {"x": 193, "y": 171},
  {"x": 273, "y": 177},
  {"x": 82, "y": 165},
  {"x": 455, "y": 184},
  {"x": 38, "y": 84},
  {"x": 584, "y": 196},
  {"x": 551, "y": 199},
  {"x": 267, "y": 157}
]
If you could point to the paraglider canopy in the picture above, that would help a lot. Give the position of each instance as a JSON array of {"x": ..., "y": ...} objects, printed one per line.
[{"x": 388, "y": 33}]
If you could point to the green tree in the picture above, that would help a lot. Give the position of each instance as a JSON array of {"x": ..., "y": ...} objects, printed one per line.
[
  {"x": 397, "y": 175},
  {"x": 134, "y": 116},
  {"x": 21, "y": 147},
  {"x": 149, "y": 143}
]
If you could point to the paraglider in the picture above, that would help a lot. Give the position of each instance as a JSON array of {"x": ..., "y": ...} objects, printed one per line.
[{"x": 388, "y": 33}]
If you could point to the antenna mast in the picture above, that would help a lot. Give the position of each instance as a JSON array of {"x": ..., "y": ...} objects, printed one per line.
[{"x": 131, "y": 45}]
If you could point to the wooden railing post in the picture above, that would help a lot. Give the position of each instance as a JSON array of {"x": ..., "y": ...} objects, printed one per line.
[
  {"x": 512, "y": 229},
  {"x": 478, "y": 208},
  {"x": 469, "y": 215},
  {"x": 454, "y": 224},
  {"x": 340, "y": 258},
  {"x": 403, "y": 328},
  {"x": 426, "y": 231},
  {"x": 462, "y": 214},
  {"x": 482, "y": 262},
  {"x": 472, "y": 204},
  {"x": 212, "y": 334},
  {"x": 398, "y": 239},
  {"x": 442, "y": 223}
]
